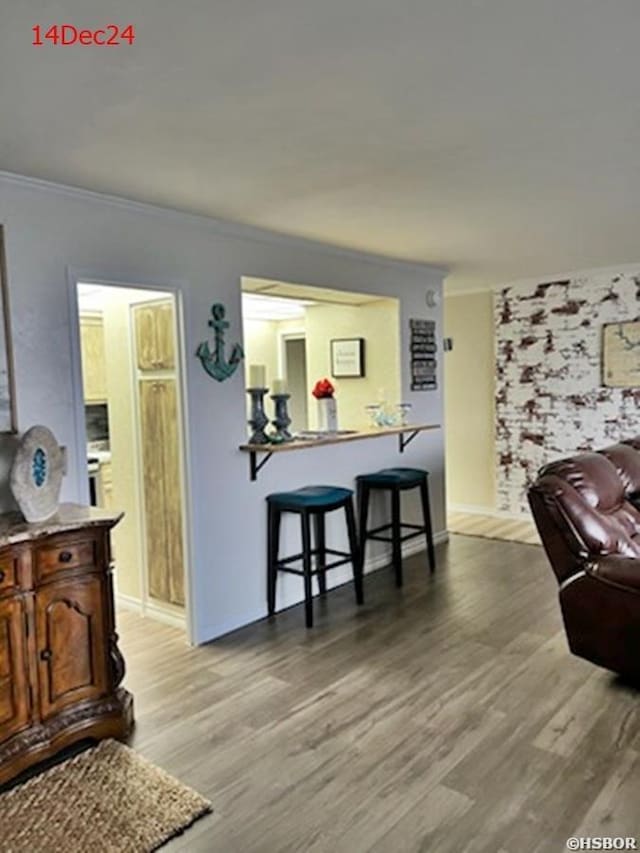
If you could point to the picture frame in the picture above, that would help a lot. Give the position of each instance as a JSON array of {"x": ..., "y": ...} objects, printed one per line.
[
  {"x": 8, "y": 422},
  {"x": 347, "y": 358},
  {"x": 620, "y": 362}
]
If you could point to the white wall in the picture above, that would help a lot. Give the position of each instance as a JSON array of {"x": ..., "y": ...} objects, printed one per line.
[{"x": 52, "y": 233}]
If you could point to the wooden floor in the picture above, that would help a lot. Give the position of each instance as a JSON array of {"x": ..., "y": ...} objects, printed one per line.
[
  {"x": 493, "y": 527},
  {"x": 447, "y": 716}
]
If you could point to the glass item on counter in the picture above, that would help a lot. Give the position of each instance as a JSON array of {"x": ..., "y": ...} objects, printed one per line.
[
  {"x": 403, "y": 410},
  {"x": 372, "y": 412}
]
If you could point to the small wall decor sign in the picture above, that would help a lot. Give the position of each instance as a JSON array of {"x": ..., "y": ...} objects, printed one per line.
[
  {"x": 423, "y": 350},
  {"x": 215, "y": 363},
  {"x": 347, "y": 358}
]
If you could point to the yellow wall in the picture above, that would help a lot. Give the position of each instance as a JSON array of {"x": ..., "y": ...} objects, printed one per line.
[
  {"x": 378, "y": 323},
  {"x": 470, "y": 400},
  {"x": 127, "y": 538}
]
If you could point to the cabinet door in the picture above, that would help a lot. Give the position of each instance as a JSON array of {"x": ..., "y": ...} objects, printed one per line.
[
  {"x": 15, "y": 704},
  {"x": 94, "y": 368},
  {"x": 162, "y": 489},
  {"x": 154, "y": 327},
  {"x": 165, "y": 333},
  {"x": 70, "y": 636},
  {"x": 145, "y": 327}
]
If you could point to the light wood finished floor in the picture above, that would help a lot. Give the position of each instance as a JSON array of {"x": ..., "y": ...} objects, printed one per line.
[
  {"x": 447, "y": 716},
  {"x": 493, "y": 527}
]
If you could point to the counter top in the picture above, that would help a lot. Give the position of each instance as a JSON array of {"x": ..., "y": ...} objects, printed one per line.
[
  {"x": 319, "y": 440},
  {"x": 13, "y": 527}
]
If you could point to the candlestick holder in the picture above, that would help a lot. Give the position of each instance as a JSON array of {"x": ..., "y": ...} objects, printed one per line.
[
  {"x": 281, "y": 420},
  {"x": 258, "y": 419}
]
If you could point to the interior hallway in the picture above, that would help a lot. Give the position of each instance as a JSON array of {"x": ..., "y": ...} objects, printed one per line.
[{"x": 446, "y": 716}]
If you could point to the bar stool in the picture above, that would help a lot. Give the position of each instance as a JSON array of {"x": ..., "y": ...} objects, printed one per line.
[
  {"x": 311, "y": 501},
  {"x": 395, "y": 480}
]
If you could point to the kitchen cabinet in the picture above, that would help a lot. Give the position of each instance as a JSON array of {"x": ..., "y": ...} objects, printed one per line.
[
  {"x": 60, "y": 666},
  {"x": 162, "y": 489},
  {"x": 94, "y": 366},
  {"x": 154, "y": 324}
]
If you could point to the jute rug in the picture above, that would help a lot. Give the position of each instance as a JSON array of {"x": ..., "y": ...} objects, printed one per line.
[
  {"x": 493, "y": 527},
  {"x": 105, "y": 800}
]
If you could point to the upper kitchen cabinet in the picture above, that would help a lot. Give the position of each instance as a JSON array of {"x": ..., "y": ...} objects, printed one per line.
[
  {"x": 94, "y": 373},
  {"x": 154, "y": 329}
]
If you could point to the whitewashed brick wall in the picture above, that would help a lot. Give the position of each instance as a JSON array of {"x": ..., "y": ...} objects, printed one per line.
[{"x": 549, "y": 398}]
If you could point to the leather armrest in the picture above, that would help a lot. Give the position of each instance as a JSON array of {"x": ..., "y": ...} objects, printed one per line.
[{"x": 622, "y": 571}]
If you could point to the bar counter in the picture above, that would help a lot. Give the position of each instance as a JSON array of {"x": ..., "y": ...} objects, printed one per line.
[{"x": 318, "y": 439}]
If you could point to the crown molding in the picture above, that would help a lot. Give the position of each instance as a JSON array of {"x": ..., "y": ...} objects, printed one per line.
[{"x": 221, "y": 227}]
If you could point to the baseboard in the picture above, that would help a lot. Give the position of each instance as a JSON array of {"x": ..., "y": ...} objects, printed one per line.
[
  {"x": 152, "y": 610},
  {"x": 128, "y": 602},
  {"x": 471, "y": 509}
]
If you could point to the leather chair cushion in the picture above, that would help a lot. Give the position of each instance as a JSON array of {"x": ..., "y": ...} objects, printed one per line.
[
  {"x": 626, "y": 461},
  {"x": 591, "y": 496},
  {"x": 622, "y": 571}
]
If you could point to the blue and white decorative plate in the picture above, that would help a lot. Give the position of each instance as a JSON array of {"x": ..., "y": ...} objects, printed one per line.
[{"x": 36, "y": 474}]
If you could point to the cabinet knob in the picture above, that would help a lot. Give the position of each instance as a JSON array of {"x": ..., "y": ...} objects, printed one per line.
[
  {"x": 65, "y": 556},
  {"x": 2, "y": 576},
  {"x": 45, "y": 654}
]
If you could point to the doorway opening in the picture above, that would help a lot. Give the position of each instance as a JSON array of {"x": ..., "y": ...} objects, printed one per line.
[
  {"x": 131, "y": 384},
  {"x": 294, "y": 371}
]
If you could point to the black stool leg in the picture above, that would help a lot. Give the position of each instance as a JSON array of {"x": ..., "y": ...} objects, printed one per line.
[
  {"x": 306, "y": 567},
  {"x": 356, "y": 560},
  {"x": 363, "y": 516},
  {"x": 321, "y": 558},
  {"x": 426, "y": 512},
  {"x": 273, "y": 543},
  {"x": 396, "y": 535}
]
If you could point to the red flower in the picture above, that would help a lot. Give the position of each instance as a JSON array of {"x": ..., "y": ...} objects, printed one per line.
[{"x": 323, "y": 388}]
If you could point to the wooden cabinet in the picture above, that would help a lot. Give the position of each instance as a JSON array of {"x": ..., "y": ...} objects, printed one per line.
[
  {"x": 162, "y": 489},
  {"x": 154, "y": 324},
  {"x": 60, "y": 666},
  {"x": 15, "y": 700},
  {"x": 94, "y": 365}
]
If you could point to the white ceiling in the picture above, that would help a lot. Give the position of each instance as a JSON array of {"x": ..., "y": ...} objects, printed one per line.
[{"x": 500, "y": 138}]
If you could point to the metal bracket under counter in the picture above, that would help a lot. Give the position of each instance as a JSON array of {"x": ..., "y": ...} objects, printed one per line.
[{"x": 405, "y": 434}]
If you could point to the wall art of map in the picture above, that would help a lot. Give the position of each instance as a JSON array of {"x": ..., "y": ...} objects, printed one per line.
[{"x": 621, "y": 355}]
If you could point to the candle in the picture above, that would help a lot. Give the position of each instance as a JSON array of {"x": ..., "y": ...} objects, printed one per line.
[
  {"x": 279, "y": 386},
  {"x": 257, "y": 376}
]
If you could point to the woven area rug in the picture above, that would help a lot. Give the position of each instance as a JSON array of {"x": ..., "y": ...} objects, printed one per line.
[
  {"x": 493, "y": 527},
  {"x": 105, "y": 800}
]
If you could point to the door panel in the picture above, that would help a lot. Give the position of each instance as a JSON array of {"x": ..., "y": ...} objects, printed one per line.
[
  {"x": 15, "y": 710},
  {"x": 146, "y": 345},
  {"x": 70, "y": 634},
  {"x": 172, "y": 491},
  {"x": 152, "y": 431},
  {"x": 162, "y": 489},
  {"x": 165, "y": 333}
]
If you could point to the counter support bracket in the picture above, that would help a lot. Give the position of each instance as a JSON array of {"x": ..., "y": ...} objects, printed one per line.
[
  {"x": 257, "y": 466},
  {"x": 403, "y": 442}
]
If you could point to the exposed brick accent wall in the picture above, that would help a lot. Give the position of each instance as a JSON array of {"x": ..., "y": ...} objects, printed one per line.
[{"x": 549, "y": 398}]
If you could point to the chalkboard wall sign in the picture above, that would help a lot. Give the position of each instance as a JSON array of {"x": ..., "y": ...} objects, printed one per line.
[{"x": 423, "y": 355}]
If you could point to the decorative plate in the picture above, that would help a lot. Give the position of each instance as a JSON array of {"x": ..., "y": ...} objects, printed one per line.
[{"x": 36, "y": 474}]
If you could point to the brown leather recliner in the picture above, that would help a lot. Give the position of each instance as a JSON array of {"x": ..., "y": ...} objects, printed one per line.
[{"x": 587, "y": 511}]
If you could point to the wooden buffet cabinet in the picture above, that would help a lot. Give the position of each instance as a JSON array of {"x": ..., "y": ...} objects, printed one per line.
[{"x": 60, "y": 666}]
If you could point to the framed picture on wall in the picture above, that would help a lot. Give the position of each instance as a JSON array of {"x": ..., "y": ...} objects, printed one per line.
[
  {"x": 7, "y": 395},
  {"x": 347, "y": 358}
]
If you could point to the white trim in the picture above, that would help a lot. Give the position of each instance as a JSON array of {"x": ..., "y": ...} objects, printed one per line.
[
  {"x": 221, "y": 227},
  {"x": 472, "y": 509},
  {"x": 150, "y": 611},
  {"x": 175, "y": 288}
]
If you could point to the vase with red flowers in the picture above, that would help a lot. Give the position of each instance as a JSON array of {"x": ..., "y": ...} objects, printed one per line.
[{"x": 323, "y": 391}]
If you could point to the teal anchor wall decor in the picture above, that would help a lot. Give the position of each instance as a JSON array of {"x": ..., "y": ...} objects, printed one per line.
[{"x": 215, "y": 363}]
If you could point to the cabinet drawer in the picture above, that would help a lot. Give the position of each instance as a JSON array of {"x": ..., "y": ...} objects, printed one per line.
[
  {"x": 8, "y": 572},
  {"x": 65, "y": 555}
]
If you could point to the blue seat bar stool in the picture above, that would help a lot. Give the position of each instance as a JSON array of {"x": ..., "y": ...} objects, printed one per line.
[
  {"x": 395, "y": 481},
  {"x": 310, "y": 502}
]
